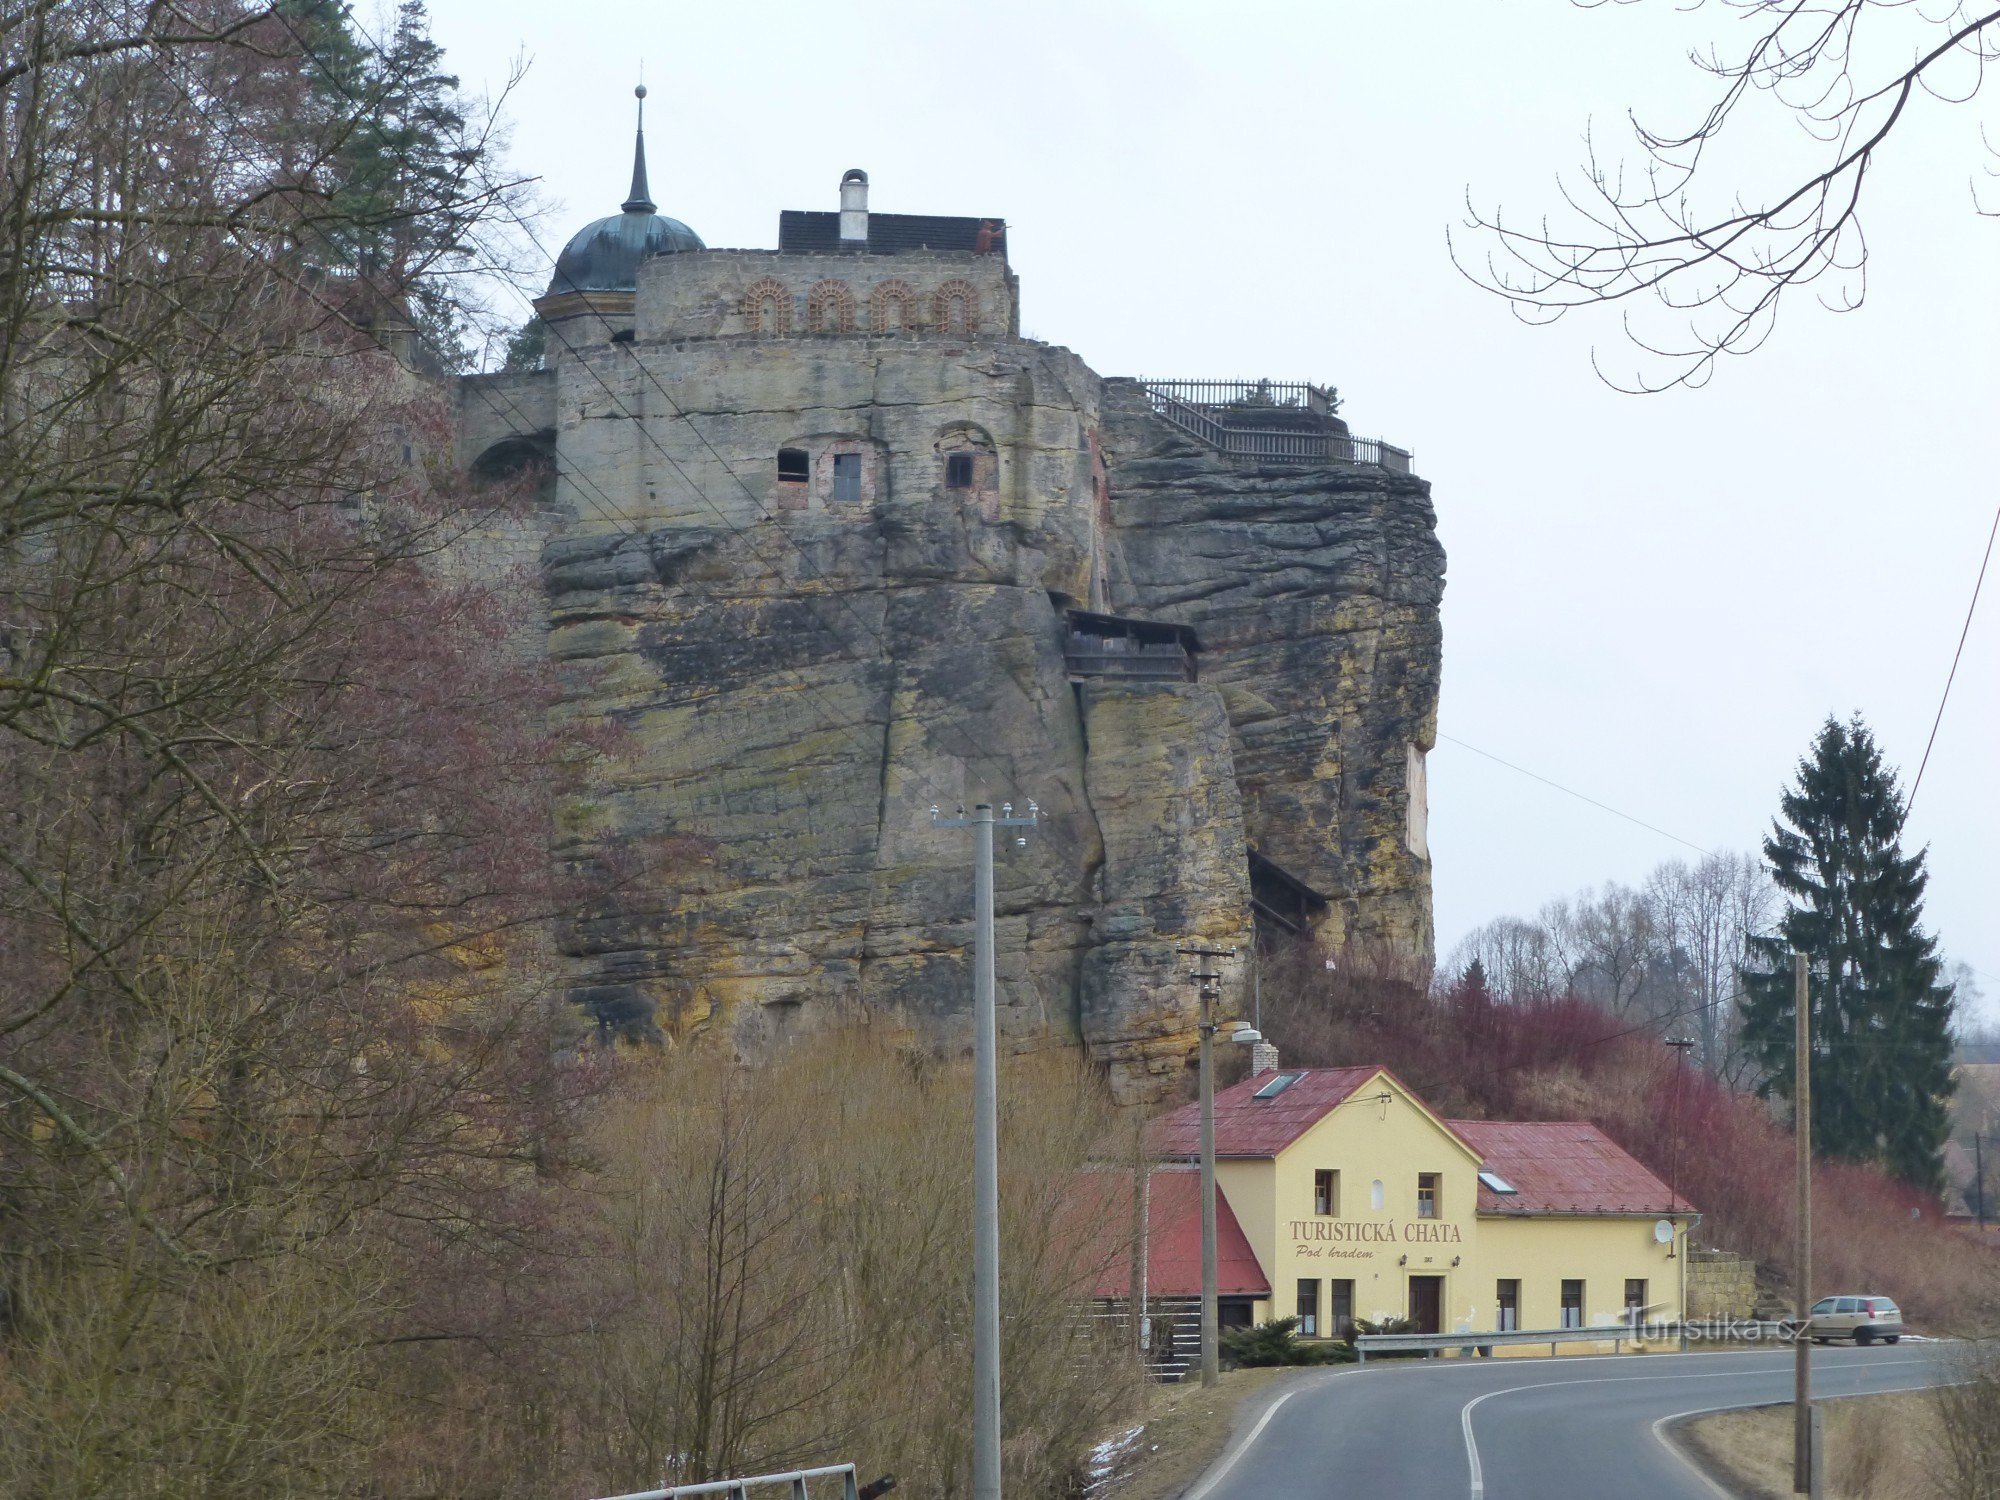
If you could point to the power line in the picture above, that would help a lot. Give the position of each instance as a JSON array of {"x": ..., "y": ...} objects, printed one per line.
[
  {"x": 1580, "y": 796},
  {"x": 1951, "y": 676}
]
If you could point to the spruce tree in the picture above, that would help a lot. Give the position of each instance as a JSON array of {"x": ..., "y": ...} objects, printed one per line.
[{"x": 1881, "y": 1043}]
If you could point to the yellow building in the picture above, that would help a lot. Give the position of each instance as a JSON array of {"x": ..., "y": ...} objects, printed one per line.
[{"x": 1358, "y": 1201}]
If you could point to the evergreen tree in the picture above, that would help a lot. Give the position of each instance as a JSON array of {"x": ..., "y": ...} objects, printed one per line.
[{"x": 1881, "y": 1020}]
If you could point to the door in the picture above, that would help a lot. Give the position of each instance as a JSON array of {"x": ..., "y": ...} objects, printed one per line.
[{"x": 1427, "y": 1303}]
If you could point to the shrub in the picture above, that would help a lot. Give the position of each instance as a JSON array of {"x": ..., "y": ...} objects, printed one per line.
[{"x": 1277, "y": 1343}]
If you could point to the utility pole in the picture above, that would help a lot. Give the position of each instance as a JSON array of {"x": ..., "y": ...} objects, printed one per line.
[
  {"x": 1208, "y": 979},
  {"x": 1979, "y": 1185},
  {"x": 1802, "y": 1445},
  {"x": 985, "y": 1148},
  {"x": 1680, "y": 1044}
]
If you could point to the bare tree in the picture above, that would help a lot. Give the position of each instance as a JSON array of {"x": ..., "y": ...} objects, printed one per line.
[{"x": 1700, "y": 242}]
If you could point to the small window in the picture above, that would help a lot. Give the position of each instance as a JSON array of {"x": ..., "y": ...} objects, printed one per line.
[
  {"x": 1376, "y": 1197},
  {"x": 847, "y": 476},
  {"x": 1848, "y": 1305},
  {"x": 1326, "y": 1192},
  {"x": 1340, "y": 1314},
  {"x": 793, "y": 466},
  {"x": 1635, "y": 1301},
  {"x": 1572, "y": 1304},
  {"x": 958, "y": 471},
  {"x": 1822, "y": 1307},
  {"x": 1309, "y": 1307},
  {"x": 1507, "y": 1300},
  {"x": 1428, "y": 1187},
  {"x": 1277, "y": 1085},
  {"x": 1494, "y": 1182}
]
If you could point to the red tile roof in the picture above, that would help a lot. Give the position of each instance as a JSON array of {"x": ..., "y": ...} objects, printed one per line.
[
  {"x": 1248, "y": 1126},
  {"x": 1562, "y": 1167},
  {"x": 1173, "y": 1236}
]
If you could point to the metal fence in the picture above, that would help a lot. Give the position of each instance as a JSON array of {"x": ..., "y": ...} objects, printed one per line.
[
  {"x": 1204, "y": 409},
  {"x": 738, "y": 1489}
]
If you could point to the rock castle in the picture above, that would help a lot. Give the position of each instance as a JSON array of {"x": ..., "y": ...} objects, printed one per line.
[{"x": 831, "y": 543}]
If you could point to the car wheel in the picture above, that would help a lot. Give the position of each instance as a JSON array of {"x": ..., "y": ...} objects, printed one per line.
[
  {"x": 1892, "y": 1338},
  {"x": 1818, "y": 1340},
  {"x": 1863, "y": 1338}
]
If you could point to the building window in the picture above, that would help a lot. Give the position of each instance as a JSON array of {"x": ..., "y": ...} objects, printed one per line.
[
  {"x": 793, "y": 466},
  {"x": 1326, "y": 1192},
  {"x": 830, "y": 308},
  {"x": 955, "y": 308},
  {"x": 892, "y": 307},
  {"x": 1309, "y": 1307},
  {"x": 1340, "y": 1311},
  {"x": 1635, "y": 1301},
  {"x": 1376, "y": 1197},
  {"x": 958, "y": 471},
  {"x": 767, "y": 306},
  {"x": 1428, "y": 1187},
  {"x": 847, "y": 476},
  {"x": 1507, "y": 1306},
  {"x": 1572, "y": 1304}
]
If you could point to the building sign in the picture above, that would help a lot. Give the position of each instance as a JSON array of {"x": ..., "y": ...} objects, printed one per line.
[{"x": 1345, "y": 1239}]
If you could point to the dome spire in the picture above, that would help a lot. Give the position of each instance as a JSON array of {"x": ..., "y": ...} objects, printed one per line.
[{"x": 641, "y": 201}]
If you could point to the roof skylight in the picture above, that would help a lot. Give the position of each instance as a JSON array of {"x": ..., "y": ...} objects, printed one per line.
[
  {"x": 1277, "y": 1085},
  {"x": 1497, "y": 1183}
]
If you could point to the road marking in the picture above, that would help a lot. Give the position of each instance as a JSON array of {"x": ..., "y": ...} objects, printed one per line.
[
  {"x": 1478, "y": 1477},
  {"x": 1243, "y": 1447}
]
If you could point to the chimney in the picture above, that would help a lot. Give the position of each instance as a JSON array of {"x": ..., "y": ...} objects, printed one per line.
[
  {"x": 854, "y": 210},
  {"x": 1263, "y": 1058}
]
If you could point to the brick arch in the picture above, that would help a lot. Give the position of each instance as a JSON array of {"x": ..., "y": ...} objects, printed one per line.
[
  {"x": 960, "y": 318},
  {"x": 830, "y": 308},
  {"x": 898, "y": 296},
  {"x": 763, "y": 293}
]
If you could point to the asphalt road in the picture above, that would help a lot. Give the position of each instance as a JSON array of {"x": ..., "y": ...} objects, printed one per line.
[{"x": 1521, "y": 1429}]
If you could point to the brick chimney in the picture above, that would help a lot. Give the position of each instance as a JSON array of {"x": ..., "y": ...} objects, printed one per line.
[{"x": 1263, "y": 1058}]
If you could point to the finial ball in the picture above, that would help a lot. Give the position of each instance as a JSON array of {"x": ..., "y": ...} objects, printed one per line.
[{"x": 639, "y": 92}]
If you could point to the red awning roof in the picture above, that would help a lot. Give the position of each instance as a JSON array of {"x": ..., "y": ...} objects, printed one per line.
[
  {"x": 1248, "y": 1126},
  {"x": 1173, "y": 1236},
  {"x": 1563, "y": 1167}
]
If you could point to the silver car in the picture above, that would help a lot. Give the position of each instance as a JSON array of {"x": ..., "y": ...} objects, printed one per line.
[{"x": 1863, "y": 1319}]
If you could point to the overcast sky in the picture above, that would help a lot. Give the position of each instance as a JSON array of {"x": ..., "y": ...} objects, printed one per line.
[{"x": 1654, "y": 601}]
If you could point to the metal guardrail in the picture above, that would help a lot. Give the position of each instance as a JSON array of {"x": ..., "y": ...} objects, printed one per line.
[
  {"x": 1615, "y": 1334},
  {"x": 737, "y": 1489}
]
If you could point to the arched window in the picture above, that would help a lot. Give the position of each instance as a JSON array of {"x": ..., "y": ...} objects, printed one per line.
[
  {"x": 955, "y": 308},
  {"x": 767, "y": 307},
  {"x": 1376, "y": 1197},
  {"x": 830, "y": 308},
  {"x": 892, "y": 308}
]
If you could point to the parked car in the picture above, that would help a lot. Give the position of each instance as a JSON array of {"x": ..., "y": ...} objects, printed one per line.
[{"x": 1863, "y": 1319}]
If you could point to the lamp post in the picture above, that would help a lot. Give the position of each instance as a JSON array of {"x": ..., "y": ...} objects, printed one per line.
[{"x": 985, "y": 1148}]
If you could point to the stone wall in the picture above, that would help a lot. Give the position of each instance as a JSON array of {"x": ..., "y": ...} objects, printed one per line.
[
  {"x": 1721, "y": 1284},
  {"x": 736, "y": 293}
]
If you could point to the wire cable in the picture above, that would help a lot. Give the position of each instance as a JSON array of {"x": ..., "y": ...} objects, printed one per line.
[{"x": 1952, "y": 675}]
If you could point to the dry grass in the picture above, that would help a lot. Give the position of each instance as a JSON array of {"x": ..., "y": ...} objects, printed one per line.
[
  {"x": 1877, "y": 1448},
  {"x": 1186, "y": 1428}
]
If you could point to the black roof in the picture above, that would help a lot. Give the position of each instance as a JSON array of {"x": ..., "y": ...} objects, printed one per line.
[
  {"x": 1267, "y": 868},
  {"x": 804, "y": 232}
]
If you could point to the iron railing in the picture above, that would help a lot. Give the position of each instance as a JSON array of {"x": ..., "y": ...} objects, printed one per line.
[
  {"x": 1302, "y": 394},
  {"x": 1220, "y": 414},
  {"x": 737, "y": 1489}
]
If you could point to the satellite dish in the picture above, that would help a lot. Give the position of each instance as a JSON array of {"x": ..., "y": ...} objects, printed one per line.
[{"x": 1663, "y": 1231}]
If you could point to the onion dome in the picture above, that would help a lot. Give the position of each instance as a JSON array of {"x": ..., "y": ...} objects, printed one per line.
[{"x": 604, "y": 256}]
